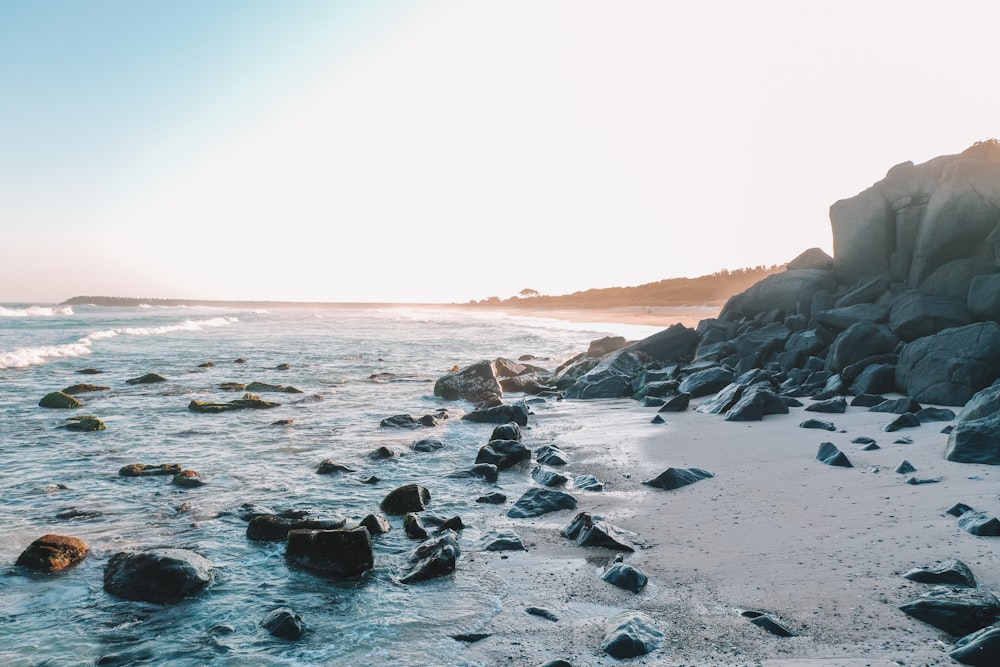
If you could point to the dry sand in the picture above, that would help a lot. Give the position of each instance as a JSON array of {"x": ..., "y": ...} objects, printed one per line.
[
  {"x": 656, "y": 316},
  {"x": 820, "y": 548}
]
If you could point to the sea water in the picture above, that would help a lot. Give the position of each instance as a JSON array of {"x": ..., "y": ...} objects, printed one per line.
[{"x": 354, "y": 368}]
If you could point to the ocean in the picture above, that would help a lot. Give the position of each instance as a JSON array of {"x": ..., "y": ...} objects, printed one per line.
[{"x": 354, "y": 367}]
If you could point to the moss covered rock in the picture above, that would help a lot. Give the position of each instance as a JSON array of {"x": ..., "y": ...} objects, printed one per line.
[
  {"x": 60, "y": 401},
  {"x": 84, "y": 423}
]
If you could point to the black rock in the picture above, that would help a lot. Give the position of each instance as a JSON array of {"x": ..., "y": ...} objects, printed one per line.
[
  {"x": 340, "y": 553},
  {"x": 678, "y": 403},
  {"x": 951, "y": 572},
  {"x": 625, "y": 576},
  {"x": 434, "y": 558},
  {"x": 935, "y": 415},
  {"x": 923, "y": 480},
  {"x": 427, "y": 445},
  {"x": 407, "y": 498},
  {"x": 510, "y": 431},
  {"x": 547, "y": 477},
  {"x": 329, "y": 466},
  {"x": 980, "y": 649},
  {"x": 675, "y": 478},
  {"x": 471, "y": 637},
  {"x": 544, "y": 613},
  {"x": 590, "y": 530},
  {"x": 275, "y": 528},
  {"x": 897, "y": 406},
  {"x": 399, "y": 421},
  {"x": 957, "y": 611},
  {"x": 284, "y": 623},
  {"x": 539, "y": 501},
  {"x": 485, "y": 471},
  {"x": 906, "y": 420},
  {"x": 979, "y": 524},
  {"x": 867, "y": 400},
  {"x": 502, "y": 541},
  {"x": 503, "y": 453},
  {"x": 904, "y": 468},
  {"x": 819, "y": 424},
  {"x": 762, "y": 620},
  {"x": 831, "y": 456},
  {"x": 831, "y": 405},
  {"x": 958, "y": 509},
  {"x": 492, "y": 498},
  {"x": 976, "y": 441},
  {"x": 500, "y": 414},
  {"x": 376, "y": 524},
  {"x": 156, "y": 575},
  {"x": 550, "y": 455}
]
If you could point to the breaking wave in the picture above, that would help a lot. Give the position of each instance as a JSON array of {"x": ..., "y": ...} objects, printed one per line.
[{"x": 36, "y": 311}]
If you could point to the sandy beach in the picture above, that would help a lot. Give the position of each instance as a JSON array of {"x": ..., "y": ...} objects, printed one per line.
[
  {"x": 657, "y": 316},
  {"x": 821, "y": 549}
]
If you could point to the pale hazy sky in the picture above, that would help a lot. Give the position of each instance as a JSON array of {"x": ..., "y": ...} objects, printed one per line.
[{"x": 445, "y": 151}]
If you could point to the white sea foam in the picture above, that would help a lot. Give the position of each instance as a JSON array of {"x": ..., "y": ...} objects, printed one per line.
[
  {"x": 36, "y": 311},
  {"x": 33, "y": 356}
]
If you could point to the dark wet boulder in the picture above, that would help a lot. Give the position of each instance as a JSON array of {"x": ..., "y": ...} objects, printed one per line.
[
  {"x": 979, "y": 524},
  {"x": 818, "y": 424},
  {"x": 857, "y": 342},
  {"x": 831, "y": 456},
  {"x": 341, "y": 552},
  {"x": 248, "y": 402},
  {"x": 75, "y": 389},
  {"x": 473, "y": 383},
  {"x": 510, "y": 431},
  {"x": 610, "y": 378},
  {"x": 503, "y": 453},
  {"x": 59, "y": 401},
  {"x": 591, "y": 530},
  {"x": 414, "y": 527},
  {"x": 675, "y": 478},
  {"x": 541, "y": 612},
  {"x": 705, "y": 382},
  {"x": 503, "y": 540},
  {"x": 954, "y": 279},
  {"x": 951, "y": 366},
  {"x": 264, "y": 387},
  {"x": 904, "y": 468},
  {"x": 399, "y": 421},
  {"x": 84, "y": 424},
  {"x": 538, "y": 501},
  {"x": 957, "y": 611},
  {"x": 90, "y": 371},
  {"x": 958, "y": 509},
  {"x": 660, "y": 389},
  {"x": 284, "y": 624},
  {"x": 329, "y": 466},
  {"x": 51, "y": 553},
  {"x": 376, "y": 524},
  {"x": 434, "y": 558},
  {"x": 678, "y": 403},
  {"x": 625, "y": 576},
  {"x": 407, "y": 498},
  {"x": 836, "y": 405},
  {"x": 148, "y": 378},
  {"x": 547, "y": 477},
  {"x": 233, "y": 386},
  {"x": 492, "y": 498},
  {"x": 156, "y": 575},
  {"x": 915, "y": 314},
  {"x": 600, "y": 347},
  {"x": 951, "y": 572},
  {"x": 976, "y": 441},
  {"x": 500, "y": 414},
  {"x": 980, "y": 649},
  {"x": 275, "y": 528},
  {"x": 866, "y": 290},
  {"x": 188, "y": 479},
  {"x": 383, "y": 453},
  {"x": 149, "y": 469},
  {"x": 427, "y": 445},
  {"x": 630, "y": 634},
  {"x": 927, "y": 415},
  {"x": 485, "y": 471},
  {"x": 551, "y": 455}
]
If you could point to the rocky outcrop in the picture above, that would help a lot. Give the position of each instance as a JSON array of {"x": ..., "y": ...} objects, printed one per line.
[
  {"x": 51, "y": 553},
  {"x": 474, "y": 383},
  {"x": 339, "y": 553}
]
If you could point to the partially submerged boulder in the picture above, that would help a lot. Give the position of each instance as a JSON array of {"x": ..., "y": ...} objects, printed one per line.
[
  {"x": 474, "y": 383},
  {"x": 249, "y": 401},
  {"x": 59, "y": 401},
  {"x": 341, "y": 552},
  {"x": 156, "y": 575},
  {"x": 434, "y": 558},
  {"x": 406, "y": 498},
  {"x": 51, "y": 553}
]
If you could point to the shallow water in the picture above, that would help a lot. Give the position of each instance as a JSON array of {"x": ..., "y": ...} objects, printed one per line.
[{"x": 67, "y": 618}]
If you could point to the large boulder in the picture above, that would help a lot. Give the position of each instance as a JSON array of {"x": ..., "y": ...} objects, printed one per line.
[
  {"x": 954, "y": 279},
  {"x": 785, "y": 292},
  {"x": 611, "y": 378},
  {"x": 156, "y": 575},
  {"x": 339, "y": 553},
  {"x": 914, "y": 315},
  {"x": 951, "y": 366},
  {"x": 976, "y": 441},
  {"x": 434, "y": 558},
  {"x": 983, "y": 404},
  {"x": 857, "y": 342},
  {"x": 813, "y": 258},
  {"x": 59, "y": 400},
  {"x": 630, "y": 634},
  {"x": 957, "y": 611},
  {"x": 675, "y": 343},
  {"x": 474, "y": 383},
  {"x": 983, "y": 299},
  {"x": 406, "y": 498}
]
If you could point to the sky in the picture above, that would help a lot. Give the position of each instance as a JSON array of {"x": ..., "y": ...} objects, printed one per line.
[{"x": 444, "y": 151}]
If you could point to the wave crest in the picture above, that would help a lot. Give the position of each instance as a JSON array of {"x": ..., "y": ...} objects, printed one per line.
[{"x": 36, "y": 311}]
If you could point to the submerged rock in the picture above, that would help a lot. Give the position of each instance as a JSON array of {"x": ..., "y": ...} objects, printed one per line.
[
  {"x": 148, "y": 378},
  {"x": 340, "y": 553},
  {"x": 249, "y": 401},
  {"x": 433, "y": 558},
  {"x": 407, "y": 498},
  {"x": 84, "y": 423},
  {"x": 59, "y": 401},
  {"x": 149, "y": 469},
  {"x": 275, "y": 528},
  {"x": 284, "y": 624},
  {"x": 503, "y": 453}
]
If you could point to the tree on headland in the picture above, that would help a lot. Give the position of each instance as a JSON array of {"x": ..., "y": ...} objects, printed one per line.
[{"x": 528, "y": 293}]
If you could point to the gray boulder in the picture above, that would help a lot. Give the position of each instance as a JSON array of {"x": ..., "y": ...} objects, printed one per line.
[
  {"x": 434, "y": 558},
  {"x": 841, "y": 318},
  {"x": 538, "y": 501},
  {"x": 951, "y": 572},
  {"x": 340, "y": 553},
  {"x": 625, "y": 576},
  {"x": 983, "y": 403},
  {"x": 787, "y": 292},
  {"x": 675, "y": 478},
  {"x": 957, "y": 611},
  {"x": 830, "y": 455},
  {"x": 980, "y": 649},
  {"x": 675, "y": 343},
  {"x": 950, "y": 367},
  {"x": 954, "y": 279},
  {"x": 983, "y": 300},
  {"x": 705, "y": 382},
  {"x": 915, "y": 315}
]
